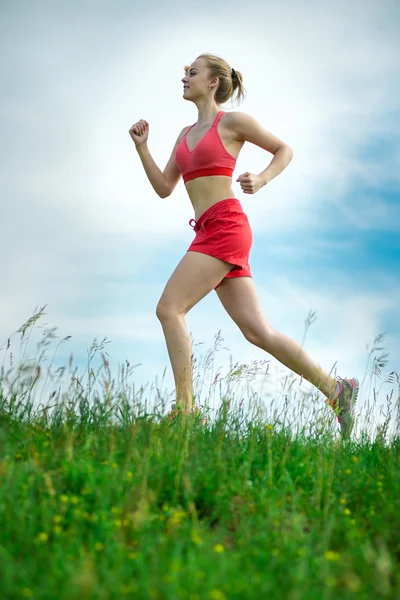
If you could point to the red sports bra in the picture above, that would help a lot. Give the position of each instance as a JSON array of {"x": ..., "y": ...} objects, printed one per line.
[{"x": 208, "y": 157}]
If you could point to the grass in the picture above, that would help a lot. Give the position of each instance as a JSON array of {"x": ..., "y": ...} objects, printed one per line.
[{"x": 107, "y": 499}]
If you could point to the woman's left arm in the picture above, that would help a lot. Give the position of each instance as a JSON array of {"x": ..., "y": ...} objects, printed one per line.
[{"x": 247, "y": 129}]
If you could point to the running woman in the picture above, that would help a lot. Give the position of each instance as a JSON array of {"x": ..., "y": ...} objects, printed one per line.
[{"x": 205, "y": 155}]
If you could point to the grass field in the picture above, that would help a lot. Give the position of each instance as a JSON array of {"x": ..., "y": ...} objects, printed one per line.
[{"x": 107, "y": 499}]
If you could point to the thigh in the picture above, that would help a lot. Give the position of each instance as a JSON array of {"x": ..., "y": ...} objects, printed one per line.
[
  {"x": 240, "y": 299},
  {"x": 194, "y": 277}
]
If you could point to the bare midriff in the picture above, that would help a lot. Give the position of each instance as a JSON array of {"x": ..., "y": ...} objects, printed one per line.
[{"x": 205, "y": 191}]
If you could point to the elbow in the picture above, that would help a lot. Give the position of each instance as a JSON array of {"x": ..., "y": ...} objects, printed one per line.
[
  {"x": 289, "y": 152},
  {"x": 166, "y": 190},
  {"x": 284, "y": 151}
]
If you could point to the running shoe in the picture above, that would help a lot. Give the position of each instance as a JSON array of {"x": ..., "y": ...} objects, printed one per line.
[{"x": 344, "y": 404}]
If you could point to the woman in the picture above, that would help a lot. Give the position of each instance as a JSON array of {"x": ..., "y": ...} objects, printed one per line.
[{"x": 205, "y": 155}]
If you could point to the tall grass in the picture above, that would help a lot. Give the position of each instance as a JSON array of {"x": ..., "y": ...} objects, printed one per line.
[{"x": 101, "y": 496}]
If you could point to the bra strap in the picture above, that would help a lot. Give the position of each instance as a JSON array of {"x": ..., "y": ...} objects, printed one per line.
[
  {"x": 217, "y": 118},
  {"x": 189, "y": 129}
]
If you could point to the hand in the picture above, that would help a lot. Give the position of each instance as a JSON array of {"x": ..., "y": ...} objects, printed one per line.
[
  {"x": 250, "y": 183},
  {"x": 139, "y": 132}
]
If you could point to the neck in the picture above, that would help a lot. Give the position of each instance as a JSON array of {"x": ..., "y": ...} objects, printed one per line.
[{"x": 206, "y": 113}]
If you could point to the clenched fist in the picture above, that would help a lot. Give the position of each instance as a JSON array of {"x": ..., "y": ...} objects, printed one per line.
[
  {"x": 250, "y": 183},
  {"x": 139, "y": 132}
]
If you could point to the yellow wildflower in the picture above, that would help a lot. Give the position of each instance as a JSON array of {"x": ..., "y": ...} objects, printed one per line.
[
  {"x": 331, "y": 555},
  {"x": 196, "y": 539},
  {"x": 219, "y": 548},
  {"x": 177, "y": 517},
  {"x": 217, "y": 595}
]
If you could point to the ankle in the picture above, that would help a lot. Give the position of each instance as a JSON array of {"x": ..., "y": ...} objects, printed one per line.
[
  {"x": 332, "y": 389},
  {"x": 184, "y": 407}
]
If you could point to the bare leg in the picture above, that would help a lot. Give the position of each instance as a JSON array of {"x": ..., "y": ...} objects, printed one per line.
[
  {"x": 293, "y": 356},
  {"x": 180, "y": 354},
  {"x": 194, "y": 277},
  {"x": 239, "y": 298}
]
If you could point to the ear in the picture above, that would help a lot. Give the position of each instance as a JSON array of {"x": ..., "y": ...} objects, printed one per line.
[{"x": 214, "y": 82}]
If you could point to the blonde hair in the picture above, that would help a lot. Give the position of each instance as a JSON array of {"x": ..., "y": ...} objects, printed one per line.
[{"x": 218, "y": 67}]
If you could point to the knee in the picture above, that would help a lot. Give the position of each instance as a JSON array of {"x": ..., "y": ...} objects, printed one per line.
[
  {"x": 162, "y": 311},
  {"x": 263, "y": 339},
  {"x": 165, "y": 312}
]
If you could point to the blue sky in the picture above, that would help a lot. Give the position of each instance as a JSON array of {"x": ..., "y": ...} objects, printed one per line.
[{"x": 84, "y": 232}]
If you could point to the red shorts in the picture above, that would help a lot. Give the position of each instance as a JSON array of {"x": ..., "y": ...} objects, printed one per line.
[{"x": 223, "y": 231}]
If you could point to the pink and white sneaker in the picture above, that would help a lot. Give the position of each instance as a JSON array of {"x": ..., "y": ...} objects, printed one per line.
[{"x": 344, "y": 404}]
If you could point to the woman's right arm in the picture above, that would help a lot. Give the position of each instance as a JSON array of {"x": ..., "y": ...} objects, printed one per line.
[{"x": 165, "y": 182}]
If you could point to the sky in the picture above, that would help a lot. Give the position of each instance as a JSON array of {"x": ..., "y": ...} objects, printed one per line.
[{"x": 85, "y": 235}]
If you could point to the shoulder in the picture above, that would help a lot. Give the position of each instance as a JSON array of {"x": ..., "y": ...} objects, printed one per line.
[
  {"x": 246, "y": 128},
  {"x": 180, "y": 137},
  {"x": 235, "y": 119},
  {"x": 240, "y": 122},
  {"x": 182, "y": 133}
]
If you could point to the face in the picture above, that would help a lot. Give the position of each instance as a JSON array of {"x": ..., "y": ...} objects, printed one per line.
[{"x": 196, "y": 80}]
